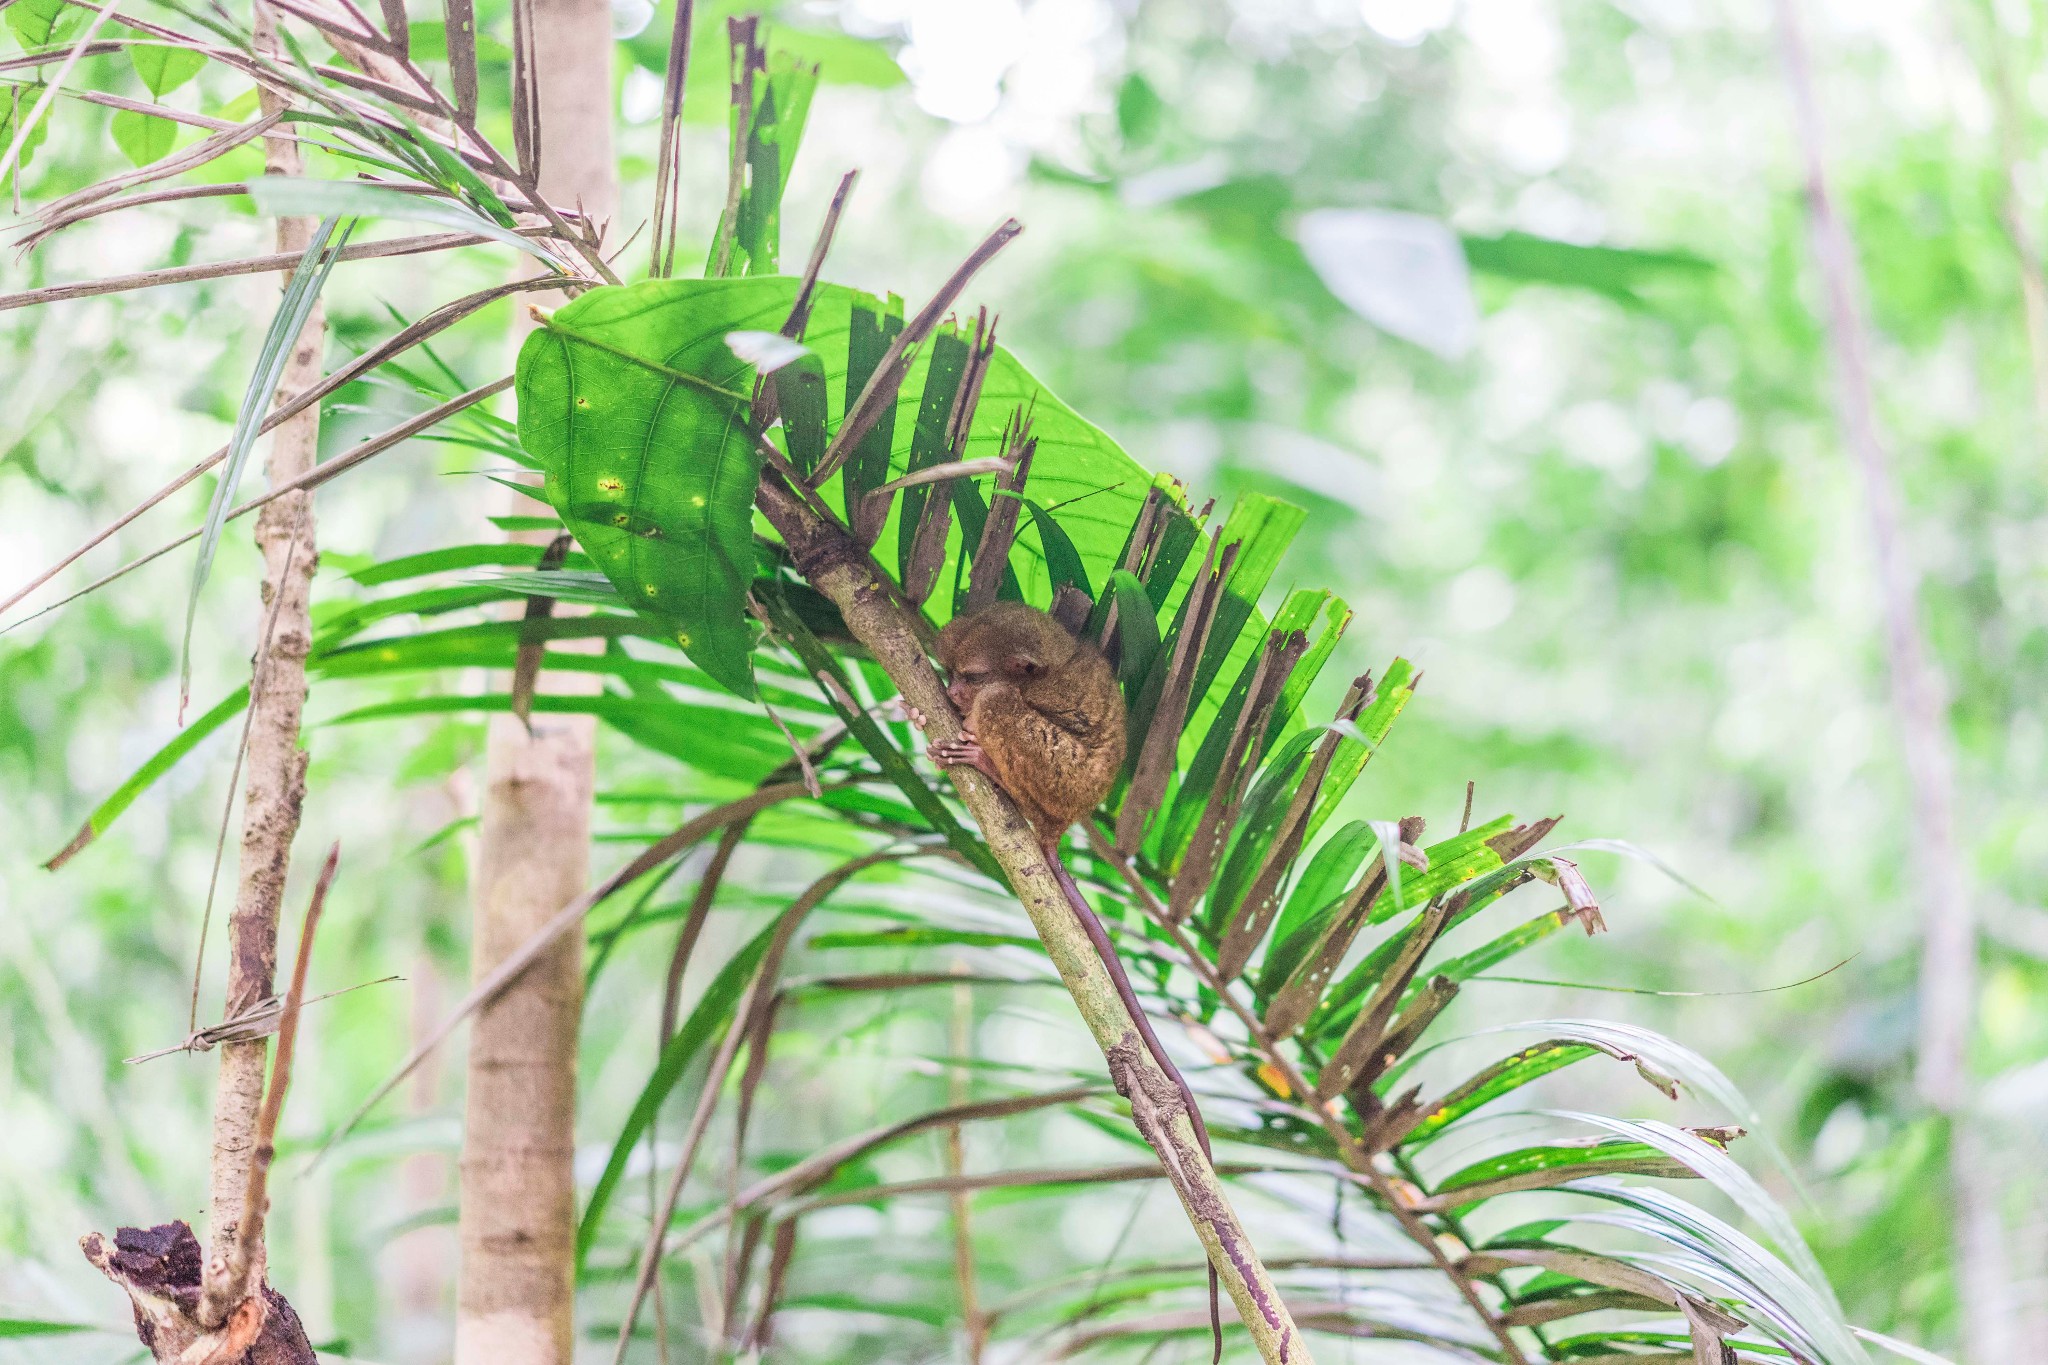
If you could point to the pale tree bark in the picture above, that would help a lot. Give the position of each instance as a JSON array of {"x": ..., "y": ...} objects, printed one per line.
[
  {"x": 518, "y": 1202},
  {"x": 1948, "y": 963},
  {"x": 276, "y": 788},
  {"x": 2015, "y": 211}
]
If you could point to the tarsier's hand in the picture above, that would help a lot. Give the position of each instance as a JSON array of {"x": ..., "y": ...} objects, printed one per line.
[{"x": 965, "y": 751}]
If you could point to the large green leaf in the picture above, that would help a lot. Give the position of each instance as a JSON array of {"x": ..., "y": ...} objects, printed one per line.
[{"x": 634, "y": 405}]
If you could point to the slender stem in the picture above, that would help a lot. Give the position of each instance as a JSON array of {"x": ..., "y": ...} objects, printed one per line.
[
  {"x": 1948, "y": 966},
  {"x": 253, "y": 265},
  {"x": 973, "y": 1322}
]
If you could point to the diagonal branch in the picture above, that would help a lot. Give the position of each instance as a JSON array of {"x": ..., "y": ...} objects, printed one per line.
[
  {"x": 838, "y": 567},
  {"x": 1353, "y": 1153},
  {"x": 311, "y": 479},
  {"x": 443, "y": 317}
]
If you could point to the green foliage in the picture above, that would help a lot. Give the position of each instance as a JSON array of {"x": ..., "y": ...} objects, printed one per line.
[
  {"x": 43, "y": 23},
  {"x": 629, "y": 380},
  {"x": 164, "y": 68},
  {"x": 16, "y": 103},
  {"x": 143, "y": 138},
  {"x": 1639, "y": 460},
  {"x": 674, "y": 534},
  {"x": 623, "y": 380}
]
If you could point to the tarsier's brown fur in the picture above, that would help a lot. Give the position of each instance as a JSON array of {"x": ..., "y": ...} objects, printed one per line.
[{"x": 1043, "y": 708}]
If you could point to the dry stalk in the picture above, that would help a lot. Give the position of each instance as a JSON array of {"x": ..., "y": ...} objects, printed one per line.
[{"x": 276, "y": 790}]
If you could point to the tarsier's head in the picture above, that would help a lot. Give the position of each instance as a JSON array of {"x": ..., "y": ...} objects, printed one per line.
[{"x": 1006, "y": 643}]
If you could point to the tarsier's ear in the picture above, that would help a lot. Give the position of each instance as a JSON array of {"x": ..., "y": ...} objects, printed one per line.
[{"x": 1022, "y": 666}]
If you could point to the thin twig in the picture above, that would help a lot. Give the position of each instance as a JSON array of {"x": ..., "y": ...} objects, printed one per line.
[
  {"x": 251, "y": 265},
  {"x": 218, "y": 145},
  {"x": 800, "y": 311},
  {"x": 707, "y": 1101},
  {"x": 667, "y": 165},
  {"x": 940, "y": 473},
  {"x": 130, "y": 201},
  {"x": 567, "y": 918},
  {"x": 447, "y": 315},
  {"x": 258, "y": 1021},
  {"x": 882, "y": 384},
  {"x": 163, "y": 111},
  {"x": 313, "y": 478}
]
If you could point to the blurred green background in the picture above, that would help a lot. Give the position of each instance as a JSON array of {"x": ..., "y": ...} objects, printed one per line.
[{"x": 1513, "y": 295}]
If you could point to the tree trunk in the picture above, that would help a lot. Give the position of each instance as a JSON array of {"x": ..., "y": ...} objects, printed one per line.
[
  {"x": 276, "y": 788},
  {"x": 518, "y": 1202}
]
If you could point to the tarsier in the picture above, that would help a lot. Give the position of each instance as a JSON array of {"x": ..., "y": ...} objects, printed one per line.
[{"x": 1044, "y": 720}]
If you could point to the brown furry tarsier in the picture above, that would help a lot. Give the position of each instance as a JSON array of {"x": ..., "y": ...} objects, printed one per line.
[
  {"x": 1044, "y": 720},
  {"x": 1044, "y": 716}
]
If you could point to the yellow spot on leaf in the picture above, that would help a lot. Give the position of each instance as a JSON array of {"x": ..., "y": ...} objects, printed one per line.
[
  {"x": 611, "y": 484},
  {"x": 1270, "y": 1077}
]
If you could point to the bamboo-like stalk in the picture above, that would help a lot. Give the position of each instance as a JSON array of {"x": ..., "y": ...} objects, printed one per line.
[
  {"x": 837, "y": 566},
  {"x": 973, "y": 1322},
  {"x": 515, "y": 1291},
  {"x": 276, "y": 790},
  {"x": 1948, "y": 969},
  {"x": 1948, "y": 964}
]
